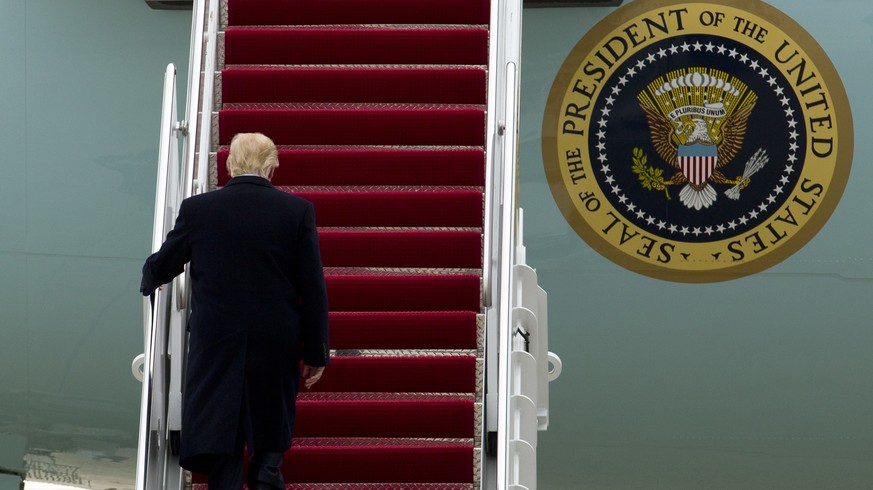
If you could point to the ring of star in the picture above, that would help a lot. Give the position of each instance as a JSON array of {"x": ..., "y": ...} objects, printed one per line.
[{"x": 672, "y": 228}]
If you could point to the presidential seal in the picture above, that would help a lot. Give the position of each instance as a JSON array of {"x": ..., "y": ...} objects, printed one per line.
[{"x": 697, "y": 141}]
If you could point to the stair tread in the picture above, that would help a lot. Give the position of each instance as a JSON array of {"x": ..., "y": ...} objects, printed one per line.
[
  {"x": 437, "y": 374},
  {"x": 380, "y": 460},
  {"x": 316, "y": 149},
  {"x": 343, "y": 66},
  {"x": 414, "y": 27},
  {"x": 401, "y": 353},
  {"x": 356, "y": 45},
  {"x": 383, "y": 403},
  {"x": 385, "y": 460},
  {"x": 389, "y": 229},
  {"x": 360, "y": 70},
  {"x": 419, "y": 208},
  {"x": 398, "y": 275},
  {"x": 375, "y": 11},
  {"x": 370, "y": 296},
  {"x": 381, "y": 107},
  {"x": 372, "y": 166},
  {"x": 398, "y": 190},
  {"x": 404, "y": 330},
  {"x": 368, "y": 85},
  {"x": 394, "y": 126},
  {"x": 432, "y": 249},
  {"x": 365, "y": 486},
  {"x": 382, "y": 418},
  {"x": 381, "y": 233},
  {"x": 316, "y": 397},
  {"x": 306, "y": 443}
]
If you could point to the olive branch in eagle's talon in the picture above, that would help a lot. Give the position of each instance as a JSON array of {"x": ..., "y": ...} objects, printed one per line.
[{"x": 650, "y": 177}]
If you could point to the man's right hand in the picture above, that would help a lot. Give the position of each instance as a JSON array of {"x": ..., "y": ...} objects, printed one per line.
[{"x": 311, "y": 375}]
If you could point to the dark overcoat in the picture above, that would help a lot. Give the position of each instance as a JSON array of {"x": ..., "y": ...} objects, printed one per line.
[{"x": 258, "y": 305}]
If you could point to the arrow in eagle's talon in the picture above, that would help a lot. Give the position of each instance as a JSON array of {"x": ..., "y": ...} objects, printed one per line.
[{"x": 757, "y": 162}]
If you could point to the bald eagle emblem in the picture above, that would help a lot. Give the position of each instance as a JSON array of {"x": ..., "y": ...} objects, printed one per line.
[{"x": 697, "y": 119}]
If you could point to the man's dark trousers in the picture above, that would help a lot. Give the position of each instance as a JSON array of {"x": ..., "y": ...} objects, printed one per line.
[{"x": 265, "y": 470}]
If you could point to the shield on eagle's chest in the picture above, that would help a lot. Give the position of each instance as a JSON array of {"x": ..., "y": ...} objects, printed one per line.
[{"x": 697, "y": 162}]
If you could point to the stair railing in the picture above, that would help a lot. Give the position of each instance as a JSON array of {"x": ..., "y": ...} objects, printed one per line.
[
  {"x": 517, "y": 359},
  {"x": 155, "y": 459},
  {"x": 161, "y": 367}
]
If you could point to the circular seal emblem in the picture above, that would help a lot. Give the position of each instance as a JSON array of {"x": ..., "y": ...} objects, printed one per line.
[{"x": 697, "y": 141}]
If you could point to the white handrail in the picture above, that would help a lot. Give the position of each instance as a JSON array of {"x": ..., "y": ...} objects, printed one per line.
[
  {"x": 505, "y": 71},
  {"x": 505, "y": 288},
  {"x": 487, "y": 225},
  {"x": 152, "y": 408}
]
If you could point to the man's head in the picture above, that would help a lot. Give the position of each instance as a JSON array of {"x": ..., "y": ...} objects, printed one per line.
[{"x": 252, "y": 153}]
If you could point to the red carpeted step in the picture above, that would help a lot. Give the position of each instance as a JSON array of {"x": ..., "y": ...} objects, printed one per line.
[
  {"x": 368, "y": 166},
  {"x": 395, "y": 292},
  {"x": 397, "y": 463},
  {"x": 419, "y": 249},
  {"x": 440, "y": 418},
  {"x": 403, "y": 330},
  {"x": 431, "y": 374},
  {"x": 376, "y": 460},
  {"x": 359, "y": 125},
  {"x": 358, "y": 486},
  {"x": 396, "y": 209},
  {"x": 355, "y": 46},
  {"x": 426, "y": 85},
  {"x": 309, "y": 12}
]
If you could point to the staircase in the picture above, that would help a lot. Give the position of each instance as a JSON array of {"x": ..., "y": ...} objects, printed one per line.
[
  {"x": 378, "y": 110},
  {"x": 398, "y": 120}
]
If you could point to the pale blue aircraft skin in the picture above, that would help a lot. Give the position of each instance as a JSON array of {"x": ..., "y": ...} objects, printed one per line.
[{"x": 765, "y": 385}]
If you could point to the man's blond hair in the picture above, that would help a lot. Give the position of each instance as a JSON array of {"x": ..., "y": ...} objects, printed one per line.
[{"x": 252, "y": 153}]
